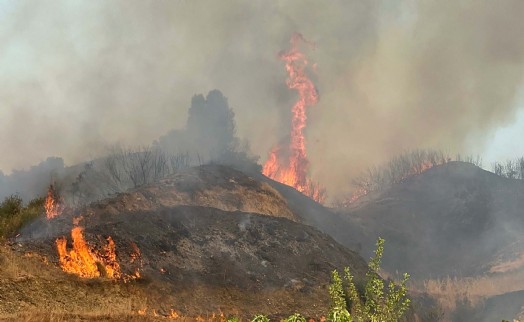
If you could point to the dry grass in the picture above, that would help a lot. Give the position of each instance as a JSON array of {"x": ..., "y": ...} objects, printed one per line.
[
  {"x": 13, "y": 266},
  {"x": 451, "y": 291},
  {"x": 23, "y": 274},
  {"x": 140, "y": 315},
  {"x": 39, "y": 291}
]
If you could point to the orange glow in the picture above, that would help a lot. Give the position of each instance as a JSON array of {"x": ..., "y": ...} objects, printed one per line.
[
  {"x": 174, "y": 314},
  {"x": 85, "y": 261},
  {"x": 112, "y": 266},
  {"x": 77, "y": 220},
  {"x": 52, "y": 204},
  {"x": 361, "y": 192},
  {"x": 136, "y": 256},
  {"x": 289, "y": 164}
]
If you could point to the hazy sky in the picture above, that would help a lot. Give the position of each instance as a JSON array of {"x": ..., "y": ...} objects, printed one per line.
[
  {"x": 506, "y": 142},
  {"x": 77, "y": 76}
]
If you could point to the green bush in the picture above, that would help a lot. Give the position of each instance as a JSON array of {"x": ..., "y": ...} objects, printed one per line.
[
  {"x": 10, "y": 206},
  {"x": 13, "y": 215},
  {"x": 295, "y": 318},
  {"x": 376, "y": 304},
  {"x": 260, "y": 318},
  {"x": 233, "y": 319}
]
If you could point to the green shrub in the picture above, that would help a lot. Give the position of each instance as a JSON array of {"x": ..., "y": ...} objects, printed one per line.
[
  {"x": 338, "y": 311},
  {"x": 260, "y": 318},
  {"x": 377, "y": 304},
  {"x": 13, "y": 215},
  {"x": 10, "y": 206},
  {"x": 295, "y": 318},
  {"x": 233, "y": 319}
]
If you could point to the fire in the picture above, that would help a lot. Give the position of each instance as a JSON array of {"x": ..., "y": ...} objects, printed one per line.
[
  {"x": 52, "y": 205},
  {"x": 289, "y": 164},
  {"x": 174, "y": 314},
  {"x": 84, "y": 261},
  {"x": 359, "y": 193},
  {"x": 136, "y": 256},
  {"x": 80, "y": 260}
]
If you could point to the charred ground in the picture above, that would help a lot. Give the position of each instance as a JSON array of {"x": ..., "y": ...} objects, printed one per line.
[{"x": 448, "y": 221}]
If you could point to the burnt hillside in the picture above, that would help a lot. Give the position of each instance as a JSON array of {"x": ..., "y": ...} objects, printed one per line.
[
  {"x": 210, "y": 239},
  {"x": 452, "y": 220}
]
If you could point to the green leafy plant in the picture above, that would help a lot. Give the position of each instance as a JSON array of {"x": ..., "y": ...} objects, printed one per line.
[
  {"x": 260, "y": 318},
  {"x": 233, "y": 319},
  {"x": 377, "y": 303},
  {"x": 295, "y": 318},
  {"x": 338, "y": 311}
]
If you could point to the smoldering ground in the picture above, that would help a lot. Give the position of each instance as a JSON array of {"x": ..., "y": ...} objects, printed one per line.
[{"x": 392, "y": 75}]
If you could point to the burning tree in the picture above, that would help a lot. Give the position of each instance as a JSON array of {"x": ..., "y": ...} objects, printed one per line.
[{"x": 289, "y": 164}]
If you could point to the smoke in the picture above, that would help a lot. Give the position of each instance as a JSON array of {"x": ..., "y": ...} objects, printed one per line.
[{"x": 76, "y": 77}]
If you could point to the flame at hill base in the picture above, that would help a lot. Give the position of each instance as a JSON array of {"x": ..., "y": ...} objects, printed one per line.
[
  {"x": 289, "y": 164},
  {"x": 84, "y": 261}
]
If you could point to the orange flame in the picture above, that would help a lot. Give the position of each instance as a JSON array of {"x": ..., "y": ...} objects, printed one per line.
[
  {"x": 289, "y": 165},
  {"x": 80, "y": 260},
  {"x": 52, "y": 204},
  {"x": 361, "y": 192},
  {"x": 84, "y": 261}
]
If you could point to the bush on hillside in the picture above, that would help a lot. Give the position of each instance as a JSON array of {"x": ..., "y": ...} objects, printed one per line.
[{"x": 13, "y": 215}]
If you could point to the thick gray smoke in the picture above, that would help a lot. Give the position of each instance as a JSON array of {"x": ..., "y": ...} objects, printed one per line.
[{"x": 76, "y": 77}]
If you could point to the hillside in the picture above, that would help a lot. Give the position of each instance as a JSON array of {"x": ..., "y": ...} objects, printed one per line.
[
  {"x": 456, "y": 229},
  {"x": 452, "y": 220},
  {"x": 207, "y": 240}
]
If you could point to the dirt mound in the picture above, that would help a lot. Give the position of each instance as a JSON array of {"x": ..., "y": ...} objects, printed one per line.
[
  {"x": 448, "y": 221},
  {"x": 214, "y": 186}
]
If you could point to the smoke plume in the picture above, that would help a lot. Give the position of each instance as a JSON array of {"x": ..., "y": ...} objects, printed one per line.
[{"x": 76, "y": 77}]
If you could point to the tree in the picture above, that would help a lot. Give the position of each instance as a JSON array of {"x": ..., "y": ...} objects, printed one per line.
[
  {"x": 211, "y": 124},
  {"x": 210, "y": 134}
]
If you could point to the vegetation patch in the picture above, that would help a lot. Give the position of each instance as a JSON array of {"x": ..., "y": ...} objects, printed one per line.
[{"x": 13, "y": 215}]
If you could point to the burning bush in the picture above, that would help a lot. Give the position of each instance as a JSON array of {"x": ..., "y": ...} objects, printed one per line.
[{"x": 53, "y": 203}]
